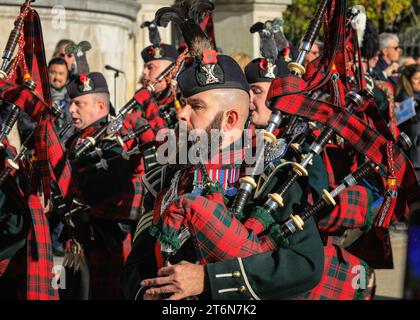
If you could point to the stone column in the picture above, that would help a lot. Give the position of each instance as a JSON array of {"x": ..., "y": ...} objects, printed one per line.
[
  {"x": 233, "y": 18},
  {"x": 109, "y": 25}
]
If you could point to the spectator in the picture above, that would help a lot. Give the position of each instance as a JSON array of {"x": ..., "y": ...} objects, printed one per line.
[
  {"x": 60, "y": 52},
  {"x": 242, "y": 59},
  {"x": 314, "y": 53},
  {"x": 409, "y": 87},
  {"x": 406, "y": 61},
  {"x": 58, "y": 77},
  {"x": 387, "y": 67}
]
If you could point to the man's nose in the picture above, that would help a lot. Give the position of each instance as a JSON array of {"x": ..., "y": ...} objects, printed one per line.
[
  {"x": 72, "y": 108},
  {"x": 251, "y": 95},
  {"x": 184, "y": 114}
]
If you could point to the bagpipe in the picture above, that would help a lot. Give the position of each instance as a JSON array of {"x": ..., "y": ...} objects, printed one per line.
[
  {"x": 24, "y": 86},
  {"x": 141, "y": 97},
  {"x": 337, "y": 75},
  {"x": 120, "y": 141},
  {"x": 7, "y": 65},
  {"x": 248, "y": 183}
]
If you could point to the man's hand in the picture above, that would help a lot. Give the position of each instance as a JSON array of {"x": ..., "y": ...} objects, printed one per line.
[
  {"x": 180, "y": 281},
  {"x": 393, "y": 68}
]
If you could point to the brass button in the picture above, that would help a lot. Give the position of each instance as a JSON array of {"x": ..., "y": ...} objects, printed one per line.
[
  {"x": 242, "y": 289},
  {"x": 236, "y": 274}
]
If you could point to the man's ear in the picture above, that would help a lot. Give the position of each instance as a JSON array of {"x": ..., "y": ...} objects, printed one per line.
[
  {"x": 384, "y": 51},
  {"x": 231, "y": 120},
  {"x": 102, "y": 106}
]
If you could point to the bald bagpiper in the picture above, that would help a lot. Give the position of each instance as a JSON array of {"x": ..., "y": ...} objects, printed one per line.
[{"x": 215, "y": 96}]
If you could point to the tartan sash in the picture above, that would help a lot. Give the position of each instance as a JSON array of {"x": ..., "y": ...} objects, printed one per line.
[
  {"x": 339, "y": 280},
  {"x": 50, "y": 159},
  {"x": 365, "y": 139}
]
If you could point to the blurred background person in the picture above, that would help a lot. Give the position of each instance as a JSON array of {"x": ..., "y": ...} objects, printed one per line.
[
  {"x": 60, "y": 52},
  {"x": 387, "y": 67},
  {"x": 242, "y": 59},
  {"x": 406, "y": 61},
  {"x": 314, "y": 53},
  {"x": 409, "y": 87}
]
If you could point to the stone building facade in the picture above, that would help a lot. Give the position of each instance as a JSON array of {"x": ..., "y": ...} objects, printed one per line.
[{"x": 112, "y": 27}]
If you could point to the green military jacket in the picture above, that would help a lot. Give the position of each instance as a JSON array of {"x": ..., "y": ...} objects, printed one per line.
[{"x": 291, "y": 270}]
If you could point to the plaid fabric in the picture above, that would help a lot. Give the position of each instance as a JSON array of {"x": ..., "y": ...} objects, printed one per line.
[
  {"x": 217, "y": 234},
  {"x": 340, "y": 278},
  {"x": 147, "y": 108},
  {"x": 39, "y": 255},
  {"x": 3, "y": 266},
  {"x": 51, "y": 164},
  {"x": 105, "y": 269},
  {"x": 35, "y": 55},
  {"x": 39, "y": 260},
  {"x": 358, "y": 133},
  {"x": 352, "y": 211},
  {"x": 353, "y": 204},
  {"x": 332, "y": 57}
]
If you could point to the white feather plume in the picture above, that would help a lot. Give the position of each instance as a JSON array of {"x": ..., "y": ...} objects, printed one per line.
[{"x": 359, "y": 23}]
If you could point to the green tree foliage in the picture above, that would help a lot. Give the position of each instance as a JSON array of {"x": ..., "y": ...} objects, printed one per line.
[{"x": 384, "y": 14}]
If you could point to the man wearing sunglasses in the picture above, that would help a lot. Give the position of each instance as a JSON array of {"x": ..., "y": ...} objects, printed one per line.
[{"x": 387, "y": 67}]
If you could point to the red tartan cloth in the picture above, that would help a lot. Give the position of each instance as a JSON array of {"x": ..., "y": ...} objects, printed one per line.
[
  {"x": 217, "y": 234},
  {"x": 353, "y": 204},
  {"x": 38, "y": 260},
  {"x": 358, "y": 133},
  {"x": 339, "y": 280},
  {"x": 51, "y": 162},
  {"x": 148, "y": 109},
  {"x": 105, "y": 269},
  {"x": 352, "y": 211}
]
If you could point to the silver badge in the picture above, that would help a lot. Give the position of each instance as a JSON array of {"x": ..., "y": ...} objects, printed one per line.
[
  {"x": 300, "y": 128},
  {"x": 276, "y": 151},
  {"x": 158, "y": 53},
  {"x": 210, "y": 76},
  {"x": 270, "y": 71},
  {"x": 114, "y": 126},
  {"x": 86, "y": 86}
]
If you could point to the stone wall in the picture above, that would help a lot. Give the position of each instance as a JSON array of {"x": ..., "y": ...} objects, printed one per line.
[
  {"x": 110, "y": 26},
  {"x": 113, "y": 29},
  {"x": 233, "y": 18}
]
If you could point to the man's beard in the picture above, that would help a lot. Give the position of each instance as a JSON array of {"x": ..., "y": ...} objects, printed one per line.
[{"x": 216, "y": 124}]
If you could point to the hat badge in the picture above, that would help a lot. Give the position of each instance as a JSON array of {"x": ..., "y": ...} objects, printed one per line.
[
  {"x": 210, "y": 68},
  {"x": 158, "y": 53},
  {"x": 85, "y": 80},
  {"x": 270, "y": 70}
]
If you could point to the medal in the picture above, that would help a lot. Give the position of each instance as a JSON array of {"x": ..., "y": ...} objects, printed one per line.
[
  {"x": 197, "y": 191},
  {"x": 276, "y": 151},
  {"x": 231, "y": 192}
]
